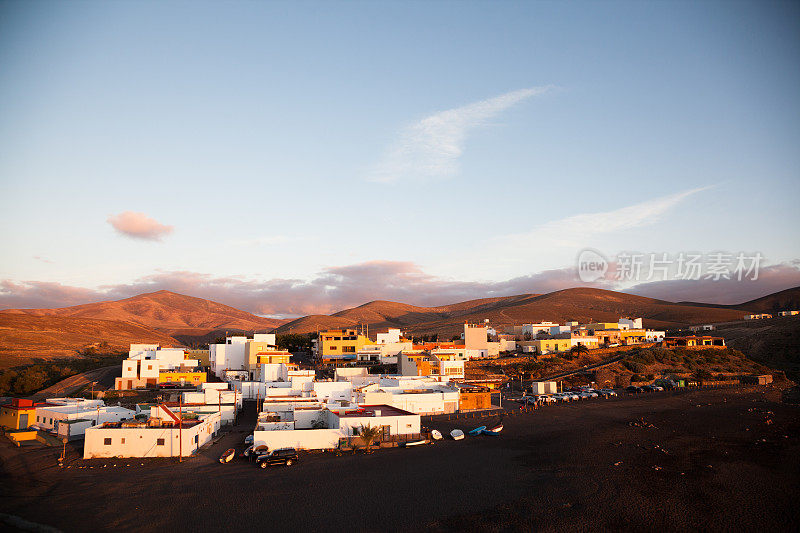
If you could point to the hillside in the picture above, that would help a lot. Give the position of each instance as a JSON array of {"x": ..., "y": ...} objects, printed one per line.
[
  {"x": 771, "y": 303},
  {"x": 779, "y": 301},
  {"x": 25, "y": 337},
  {"x": 569, "y": 304},
  {"x": 166, "y": 311}
]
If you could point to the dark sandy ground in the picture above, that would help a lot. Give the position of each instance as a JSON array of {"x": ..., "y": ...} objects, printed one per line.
[{"x": 714, "y": 460}]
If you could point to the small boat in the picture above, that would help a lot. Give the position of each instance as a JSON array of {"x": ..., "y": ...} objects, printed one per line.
[
  {"x": 227, "y": 456},
  {"x": 416, "y": 443},
  {"x": 494, "y": 431},
  {"x": 436, "y": 434},
  {"x": 457, "y": 434},
  {"x": 477, "y": 431}
]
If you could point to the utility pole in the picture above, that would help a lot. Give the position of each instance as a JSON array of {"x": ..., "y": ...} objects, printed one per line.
[{"x": 180, "y": 427}]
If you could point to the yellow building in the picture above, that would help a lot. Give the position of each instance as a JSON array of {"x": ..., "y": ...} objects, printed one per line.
[
  {"x": 551, "y": 345},
  {"x": 633, "y": 336},
  {"x": 273, "y": 357},
  {"x": 193, "y": 377},
  {"x": 340, "y": 343},
  {"x": 600, "y": 325},
  {"x": 19, "y": 414},
  {"x": 252, "y": 350}
]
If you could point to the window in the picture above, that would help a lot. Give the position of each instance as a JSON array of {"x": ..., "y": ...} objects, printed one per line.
[
  {"x": 107, "y": 442},
  {"x": 159, "y": 442},
  {"x": 195, "y": 439},
  {"x": 123, "y": 440},
  {"x": 149, "y": 367}
]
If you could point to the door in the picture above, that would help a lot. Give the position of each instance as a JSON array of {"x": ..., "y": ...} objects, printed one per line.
[{"x": 23, "y": 421}]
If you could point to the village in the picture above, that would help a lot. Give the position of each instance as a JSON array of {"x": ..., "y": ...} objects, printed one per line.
[{"x": 178, "y": 401}]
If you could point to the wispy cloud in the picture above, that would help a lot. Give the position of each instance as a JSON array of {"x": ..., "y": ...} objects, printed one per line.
[
  {"x": 139, "y": 226},
  {"x": 575, "y": 230},
  {"x": 431, "y": 147},
  {"x": 42, "y": 259}
]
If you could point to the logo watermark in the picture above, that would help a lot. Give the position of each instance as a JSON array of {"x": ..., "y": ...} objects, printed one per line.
[
  {"x": 658, "y": 266},
  {"x": 592, "y": 265}
]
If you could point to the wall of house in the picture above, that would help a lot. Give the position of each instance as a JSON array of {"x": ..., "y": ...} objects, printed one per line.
[
  {"x": 398, "y": 425},
  {"x": 143, "y": 442},
  {"x": 301, "y": 439}
]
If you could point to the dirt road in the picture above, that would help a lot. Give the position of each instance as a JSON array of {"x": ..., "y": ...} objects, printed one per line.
[
  {"x": 103, "y": 376},
  {"x": 715, "y": 460}
]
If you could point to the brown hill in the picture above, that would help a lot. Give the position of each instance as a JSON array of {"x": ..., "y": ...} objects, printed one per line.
[
  {"x": 772, "y": 303},
  {"x": 24, "y": 337},
  {"x": 779, "y": 301},
  {"x": 166, "y": 311},
  {"x": 570, "y": 304}
]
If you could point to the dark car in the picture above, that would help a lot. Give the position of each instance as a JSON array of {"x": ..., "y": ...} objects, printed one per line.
[
  {"x": 283, "y": 456},
  {"x": 633, "y": 389},
  {"x": 648, "y": 388},
  {"x": 254, "y": 452}
]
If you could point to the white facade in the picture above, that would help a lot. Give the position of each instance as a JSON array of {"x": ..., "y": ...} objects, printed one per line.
[
  {"x": 535, "y": 329},
  {"x": 269, "y": 338},
  {"x": 51, "y": 418},
  {"x": 391, "y": 336},
  {"x": 544, "y": 387},
  {"x": 296, "y": 427},
  {"x": 654, "y": 336},
  {"x": 228, "y": 356},
  {"x": 149, "y": 441},
  {"x": 415, "y": 396},
  {"x": 631, "y": 323},
  {"x": 584, "y": 340}
]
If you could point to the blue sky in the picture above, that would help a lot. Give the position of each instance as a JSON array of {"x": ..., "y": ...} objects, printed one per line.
[{"x": 266, "y": 135}]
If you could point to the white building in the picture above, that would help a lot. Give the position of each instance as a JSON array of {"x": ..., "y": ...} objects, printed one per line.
[
  {"x": 631, "y": 323},
  {"x": 654, "y": 335},
  {"x": 384, "y": 353},
  {"x": 151, "y": 438},
  {"x": 227, "y": 356},
  {"x": 421, "y": 396},
  {"x": 320, "y": 428},
  {"x": 71, "y": 420},
  {"x": 544, "y": 387},
  {"x": 146, "y": 361}
]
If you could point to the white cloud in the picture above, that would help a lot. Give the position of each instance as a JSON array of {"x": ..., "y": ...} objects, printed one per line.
[
  {"x": 575, "y": 230},
  {"x": 139, "y": 226},
  {"x": 431, "y": 147}
]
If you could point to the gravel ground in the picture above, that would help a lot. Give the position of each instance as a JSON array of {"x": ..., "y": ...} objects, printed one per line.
[{"x": 716, "y": 460}]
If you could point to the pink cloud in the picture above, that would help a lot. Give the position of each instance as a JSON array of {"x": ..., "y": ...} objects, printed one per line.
[
  {"x": 341, "y": 287},
  {"x": 139, "y": 226},
  {"x": 771, "y": 279}
]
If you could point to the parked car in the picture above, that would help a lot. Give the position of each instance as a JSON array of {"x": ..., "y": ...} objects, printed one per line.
[
  {"x": 257, "y": 451},
  {"x": 633, "y": 389},
  {"x": 248, "y": 439},
  {"x": 648, "y": 388},
  {"x": 607, "y": 392},
  {"x": 541, "y": 398},
  {"x": 282, "y": 456},
  {"x": 247, "y": 451},
  {"x": 657, "y": 388}
]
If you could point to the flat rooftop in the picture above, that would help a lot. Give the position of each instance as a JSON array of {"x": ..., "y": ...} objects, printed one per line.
[{"x": 370, "y": 410}]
